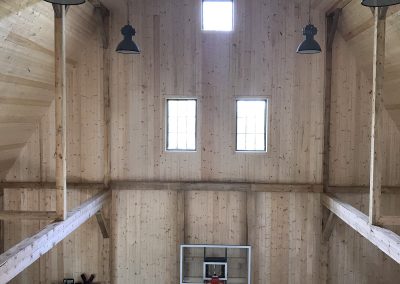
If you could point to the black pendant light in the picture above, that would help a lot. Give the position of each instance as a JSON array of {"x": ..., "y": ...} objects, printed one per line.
[
  {"x": 127, "y": 45},
  {"x": 66, "y": 2},
  {"x": 379, "y": 3},
  {"x": 309, "y": 45}
]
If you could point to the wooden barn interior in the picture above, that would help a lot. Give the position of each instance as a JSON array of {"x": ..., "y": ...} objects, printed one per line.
[{"x": 94, "y": 182}]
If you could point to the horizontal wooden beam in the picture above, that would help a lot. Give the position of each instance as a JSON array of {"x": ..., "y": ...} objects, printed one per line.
[
  {"x": 392, "y": 107},
  {"x": 215, "y": 186},
  {"x": 195, "y": 185},
  {"x": 385, "y": 240},
  {"x": 361, "y": 189},
  {"x": 28, "y": 215},
  {"x": 389, "y": 220},
  {"x": 49, "y": 185},
  {"x": 22, "y": 255}
]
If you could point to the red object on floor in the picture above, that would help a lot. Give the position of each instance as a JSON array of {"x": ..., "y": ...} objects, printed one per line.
[{"x": 215, "y": 280}]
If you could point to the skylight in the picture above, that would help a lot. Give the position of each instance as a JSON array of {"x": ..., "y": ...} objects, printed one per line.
[{"x": 217, "y": 15}]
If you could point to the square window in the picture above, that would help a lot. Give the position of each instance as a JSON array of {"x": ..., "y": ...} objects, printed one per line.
[
  {"x": 251, "y": 125},
  {"x": 181, "y": 124},
  {"x": 217, "y": 15}
]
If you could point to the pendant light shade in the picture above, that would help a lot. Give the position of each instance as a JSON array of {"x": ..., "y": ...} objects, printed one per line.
[
  {"x": 66, "y": 2},
  {"x": 309, "y": 45},
  {"x": 379, "y": 3},
  {"x": 127, "y": 45}
]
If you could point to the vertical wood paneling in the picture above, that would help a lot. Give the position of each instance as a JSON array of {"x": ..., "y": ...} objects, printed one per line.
[
  {"x": 284, "y": 230},
  {"x": 351, "y": 116},
  {"x": 179, "y": 60},
  {"x": 215, "y": 218},
  {"x": 145, "y": 234}
]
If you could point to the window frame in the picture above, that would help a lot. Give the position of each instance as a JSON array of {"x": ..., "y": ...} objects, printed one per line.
[
  {"x": 267, "y": 101},
  {"x": 217, "y": 31},
  {"x": 167, "y": 124}
]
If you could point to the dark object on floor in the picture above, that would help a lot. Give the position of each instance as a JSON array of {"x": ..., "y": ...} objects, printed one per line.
[
  {"x": 85, "y": 280},
  {"x": 69, "y": 281}
]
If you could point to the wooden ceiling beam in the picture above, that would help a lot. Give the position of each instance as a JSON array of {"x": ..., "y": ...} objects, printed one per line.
[
  {"x": 385, "y": 240},
  {"x": 22, "y": 255}
]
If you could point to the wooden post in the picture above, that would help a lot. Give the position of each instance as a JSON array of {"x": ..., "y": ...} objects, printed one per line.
[
  {"x": 60, "y": 110},
  {"x": 332, "y": 23},
  {"x": 103, "y": 22},
  {"x": 376, "y": 117},
  {"x": 1, "y": 221},
  {"x": 332, "y": 20}
]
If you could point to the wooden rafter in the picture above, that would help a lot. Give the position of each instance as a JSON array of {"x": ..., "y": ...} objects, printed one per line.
[
  {"x": 385, "y": 240},
  {"x": 377, "y": 113},
  {"x": 22, "y": 255}
]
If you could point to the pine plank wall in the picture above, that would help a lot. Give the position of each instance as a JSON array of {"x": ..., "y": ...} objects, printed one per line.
[{"x": 178, "y": 60}]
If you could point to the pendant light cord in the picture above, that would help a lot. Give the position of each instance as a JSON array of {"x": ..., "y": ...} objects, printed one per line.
[
  {"x": 127, "y": 4},
  {"x": 309, "y": 11}
]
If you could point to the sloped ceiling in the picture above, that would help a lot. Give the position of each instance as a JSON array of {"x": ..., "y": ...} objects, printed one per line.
[
  {"x": 356, "y": 27},
  {"x": 27, "y": 67}
]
